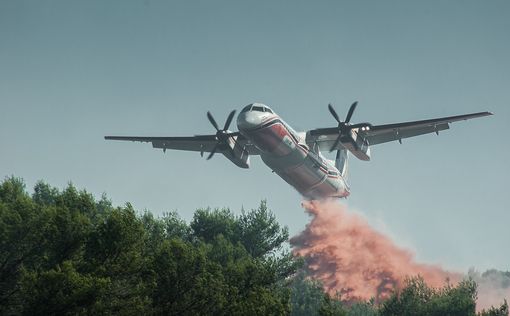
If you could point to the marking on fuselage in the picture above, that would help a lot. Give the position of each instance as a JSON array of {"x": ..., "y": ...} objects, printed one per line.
[{"x": 289, "y": 142}]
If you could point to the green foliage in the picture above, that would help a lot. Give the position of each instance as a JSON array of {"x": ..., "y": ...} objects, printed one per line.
[
  {"x": 363, "y": 309},
  {"x": 259, "y": 232},
  {"x": 416, "y": 298},
  {"x": 175, "y": 227},
  {"x": 61, "y": 291},
  {"x": 44, "y": 194},
  {"x": 207, "y": 224},
  {"x": 306, "y": 296},
  {"x": 187, "y": 283},
  {"x": 496, "y": 311},
  {"x": 22, "y": 244},
  {"x": 65, "y": 253},
  {"x": 332, "y": 307}
]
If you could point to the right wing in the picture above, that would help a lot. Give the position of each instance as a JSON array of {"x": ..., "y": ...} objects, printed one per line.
[{"x": 200, "y": 143}]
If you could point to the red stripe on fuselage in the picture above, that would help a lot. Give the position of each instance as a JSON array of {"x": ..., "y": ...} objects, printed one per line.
[{"x": 269, "y": 136}]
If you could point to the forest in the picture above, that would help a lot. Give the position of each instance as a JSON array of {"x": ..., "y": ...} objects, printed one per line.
[{"x": 66, "y": 252}]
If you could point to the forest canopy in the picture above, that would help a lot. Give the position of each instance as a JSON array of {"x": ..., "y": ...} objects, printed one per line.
[{"x": 64, "y": 252}]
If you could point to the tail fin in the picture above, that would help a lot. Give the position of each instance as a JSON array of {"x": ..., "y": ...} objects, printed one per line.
[{"x": 341, "y": 162}]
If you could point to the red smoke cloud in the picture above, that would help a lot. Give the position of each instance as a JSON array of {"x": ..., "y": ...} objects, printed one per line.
[{"x": 353, "y": 259}]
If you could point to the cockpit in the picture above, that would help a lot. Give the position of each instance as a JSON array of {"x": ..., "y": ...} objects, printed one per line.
[{"x": 257, "y": 107}]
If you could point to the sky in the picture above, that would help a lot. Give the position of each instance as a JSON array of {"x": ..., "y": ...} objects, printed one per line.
[{"x": 72, "y": 72}]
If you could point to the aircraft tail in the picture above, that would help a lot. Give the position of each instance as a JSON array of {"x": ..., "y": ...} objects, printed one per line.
[{"x": 341, "y": 162}]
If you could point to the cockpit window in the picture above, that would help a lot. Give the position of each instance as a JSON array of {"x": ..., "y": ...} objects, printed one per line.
[
  {"x": 246, "y": 108},
  {"x": 257, "y": 108}
]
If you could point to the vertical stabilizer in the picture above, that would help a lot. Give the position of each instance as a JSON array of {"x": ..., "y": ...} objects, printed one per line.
[{"x": 341, "y": 162}]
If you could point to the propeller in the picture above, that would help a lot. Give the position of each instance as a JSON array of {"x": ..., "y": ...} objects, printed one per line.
[
  {"x": 222, "y": 135},
  {"x": 344, "y": 127}
]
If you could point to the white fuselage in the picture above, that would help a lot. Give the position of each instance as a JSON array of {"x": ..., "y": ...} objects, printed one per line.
[{"x": 286, "y": 153}]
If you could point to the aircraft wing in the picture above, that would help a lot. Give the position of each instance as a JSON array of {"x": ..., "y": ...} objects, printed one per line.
[
  {"x": 378, "y": 134},
  {"x": 199, "y": 143}
]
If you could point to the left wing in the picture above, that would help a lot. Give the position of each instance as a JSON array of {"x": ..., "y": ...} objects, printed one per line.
[
  {"x": 378, "y": 134},
  {"x": 200, "y": 143}
]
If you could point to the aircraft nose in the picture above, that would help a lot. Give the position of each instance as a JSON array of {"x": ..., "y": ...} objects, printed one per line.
[{"x": 248, "y": 120}]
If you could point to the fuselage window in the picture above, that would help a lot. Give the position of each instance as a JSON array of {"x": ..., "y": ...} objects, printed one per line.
[
  {"x": 246, "y": 108},
  {"x": 258, "y": 108}
]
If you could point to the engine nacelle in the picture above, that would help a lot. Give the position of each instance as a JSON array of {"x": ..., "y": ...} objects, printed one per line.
[
  {"x": 359, "y": 148},
  {"x": 240, "y": 157}
]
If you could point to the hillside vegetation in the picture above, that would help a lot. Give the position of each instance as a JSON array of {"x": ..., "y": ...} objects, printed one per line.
[{"x": 62, "y": 252}]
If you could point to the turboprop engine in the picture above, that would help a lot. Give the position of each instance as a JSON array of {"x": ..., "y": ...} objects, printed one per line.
[{"x": 227, "y": 144}]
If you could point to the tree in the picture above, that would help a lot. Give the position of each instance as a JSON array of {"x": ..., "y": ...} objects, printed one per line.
[
  {"x": 44, "y": 194},
  {"x": 259, "y": 232},
  {"x": 496, "y": 311},
  {"x": 115, "y": 249},
  {"x": 21, "y": 241},
  {"x": 307, "y": 296},
  {"x": 61, "y": 291},
  {"x": 65, "y": 253},
  {"x": 416, "y": 298},
  {"x": 332, "y": 307},
  {"x": 186, "y": 282},
  {"x": 207, "y": 224}
]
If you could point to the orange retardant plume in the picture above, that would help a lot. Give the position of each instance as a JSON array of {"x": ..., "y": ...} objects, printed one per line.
[{"x": 352, "y": 259}]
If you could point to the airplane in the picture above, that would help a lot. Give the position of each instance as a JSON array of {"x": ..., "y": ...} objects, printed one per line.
[{"x": 297, "y": 157}]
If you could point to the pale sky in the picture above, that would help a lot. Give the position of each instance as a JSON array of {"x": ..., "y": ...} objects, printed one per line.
[{"x": 74, "y": 71}]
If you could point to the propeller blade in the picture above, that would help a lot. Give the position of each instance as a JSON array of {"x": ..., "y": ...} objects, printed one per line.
[
  {"x": 212, "y": 152},
  {"x": 335, "y": 144},
  {"x": 229, "y": 120},
  {"x": 333, "y": 112},
  {"x": 211, "y": 119},
  {"x": 351, "y": 111}
]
